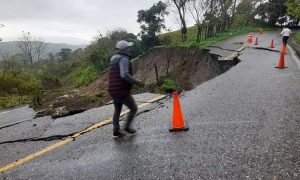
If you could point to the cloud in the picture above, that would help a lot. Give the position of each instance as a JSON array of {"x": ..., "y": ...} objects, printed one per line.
[{"x": 64, "y": 20}]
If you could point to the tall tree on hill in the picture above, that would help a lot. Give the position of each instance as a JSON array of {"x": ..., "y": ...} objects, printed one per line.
[
  {"x": 1, "y": 26},
  {"x": 197, "y": 9},
  {"x": 233, "y": 11},
  {"x": 272, "y": 10},
  {"x": 26, "y": 44},
  {"x": 152, "y": 21},
  {"x": 31, "y": 47},
  {"x": 40, "y": 47},
  {"x": 181, "y": 6}
]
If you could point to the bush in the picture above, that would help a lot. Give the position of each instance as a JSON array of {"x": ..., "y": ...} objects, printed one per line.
[
  {"x": 169, "y": 85},
  {"x": 48, "y": 81},
  {"x": 13, "y": 85}
]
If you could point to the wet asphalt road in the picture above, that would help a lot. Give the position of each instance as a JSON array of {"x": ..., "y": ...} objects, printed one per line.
[{"x": 244, "y": 124}]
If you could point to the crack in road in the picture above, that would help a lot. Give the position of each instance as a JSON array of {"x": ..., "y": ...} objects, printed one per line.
[
  {"x": 61, "y": 137},
  {"x": 262, "y": 48},
  {"x": 15, "y": 124},
  {"x": 225, "y": 49}
]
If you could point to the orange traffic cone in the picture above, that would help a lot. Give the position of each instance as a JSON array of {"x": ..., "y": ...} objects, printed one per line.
[
  {"x": 283, "y": 49},
  {"x": 281, "y": 64},
  {"x": 256, "y": 42},
  {"x": 178, "y": 123},
  {"x": 250, "y": 36},
  {"x": 272, "y": 44}
]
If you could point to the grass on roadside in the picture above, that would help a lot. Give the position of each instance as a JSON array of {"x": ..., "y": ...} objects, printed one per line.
[
  {"x": 297, "y": 37},
  {"x": 175, "y": 36},
  {"x": 14, "y": 100},
  {"x": 84, "y": 75}
]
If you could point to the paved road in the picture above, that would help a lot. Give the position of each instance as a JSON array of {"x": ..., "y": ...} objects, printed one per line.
[{"x": 244, "y": 124}]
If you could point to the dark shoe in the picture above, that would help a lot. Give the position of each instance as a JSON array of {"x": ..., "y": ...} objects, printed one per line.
[
  {"x": 118, "y": 134},
  {"x": 130, "y": 131}
]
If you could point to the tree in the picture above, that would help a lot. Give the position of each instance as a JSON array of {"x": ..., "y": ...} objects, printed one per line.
[
  {"x": 4, "y": 62},
  {"x": 50, "y": 56},
  {"x": 197, "y": 8},
  {"x": 212, "y": 9},
  {"x": 64, "y": 54},
  {"x": 26, "y": 44},
  {"x": 1, "y": 26},
  {"x": 40, "y": 48},
  {"x": 233, "y": 11},
  {"x": 181, "y": 6},
  {"x": 245, "y": 12},
  {"x": 225, "y": 6},
  {"x": 152, "y": 22},
  {"x": 272, "y": 10},
  {"x": 121, "y": 34},
  {"x": 293, "y": 9},
  {"x": 33, "y": 48}
]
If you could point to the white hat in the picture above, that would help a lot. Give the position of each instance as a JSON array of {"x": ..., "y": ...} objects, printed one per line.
[{"x": 121, "y": 45}]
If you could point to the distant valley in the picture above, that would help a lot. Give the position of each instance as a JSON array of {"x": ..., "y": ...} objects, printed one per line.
[{"x": 10, "y": 48}]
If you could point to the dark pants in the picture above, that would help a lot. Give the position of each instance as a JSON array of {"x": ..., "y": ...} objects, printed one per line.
[
  {"x": 285, "y": 39},
  {"x": 118, "y": 103}
]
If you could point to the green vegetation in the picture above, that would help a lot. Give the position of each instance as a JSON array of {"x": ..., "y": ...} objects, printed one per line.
[
  {"x": 11, "y": 101},
  {"x": 152, "y": 21},
  {"x": 15, "y": 89},
  {"x": 293, "y": 7},
  {"x": 273, "y": 11},
  {"x": 95, "y": 97},
  {"x": 84, "y": 75},
  {"x": 297, "y": 37},
  {"x": 167, "y": 84},
  {"x": 175, "y": 37},
  {"x": 25, "y": 80}
]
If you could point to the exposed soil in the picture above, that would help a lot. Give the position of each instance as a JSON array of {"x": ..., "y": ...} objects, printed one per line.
[
  {"x": 75, "y": 101},
  {"x": 189, "y": 67},
  {"x": 101, "y": 84}
]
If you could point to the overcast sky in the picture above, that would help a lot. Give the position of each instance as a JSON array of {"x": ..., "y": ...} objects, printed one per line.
[{"x": 71, "y": 21}]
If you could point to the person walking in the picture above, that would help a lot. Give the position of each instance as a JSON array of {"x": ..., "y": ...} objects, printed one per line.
[
  {"x": 120, "y": 84},
  {"x": 286, "y": 32}
]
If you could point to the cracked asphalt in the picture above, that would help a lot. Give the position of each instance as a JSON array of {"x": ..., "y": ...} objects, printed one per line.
[{"x": 244, "y": 124}]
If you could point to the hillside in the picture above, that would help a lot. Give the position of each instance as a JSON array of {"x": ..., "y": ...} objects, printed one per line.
[{"x": 11, "y": 49}]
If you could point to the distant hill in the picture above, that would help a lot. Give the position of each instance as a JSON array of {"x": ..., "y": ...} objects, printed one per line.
[{"x": 11, "y": 49}]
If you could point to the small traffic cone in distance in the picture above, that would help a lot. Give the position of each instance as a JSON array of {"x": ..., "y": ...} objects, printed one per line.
[
  {"x": 178, "y": 123},
  {"x": 272, "y": 44},
  {"x": 256, "y": 42},
  {"x": 250, "y": 35},
  {"x": 260, "y": 30},
  {"x": 281, "y": 64}
]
